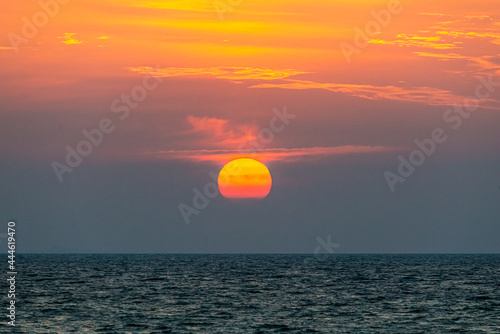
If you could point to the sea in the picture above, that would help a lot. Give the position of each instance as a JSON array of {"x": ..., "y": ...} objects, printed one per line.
[{"x": 333, "y": 293}]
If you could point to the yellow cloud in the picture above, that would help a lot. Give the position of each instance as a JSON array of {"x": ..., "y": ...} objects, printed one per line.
[
  {"x": 441, "y": 55},
  {"x": 450, "y": 34},
  {"x": 69, "y": 39},
  {"x": 220, "y": 72},
  {"x": 432, "y": 42}
]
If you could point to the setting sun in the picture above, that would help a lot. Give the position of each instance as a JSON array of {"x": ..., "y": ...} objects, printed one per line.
[{"x": 244, "y": 178}]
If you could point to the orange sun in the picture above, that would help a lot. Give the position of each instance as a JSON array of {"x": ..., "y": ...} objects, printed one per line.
[{"x": 244, "y": 178}]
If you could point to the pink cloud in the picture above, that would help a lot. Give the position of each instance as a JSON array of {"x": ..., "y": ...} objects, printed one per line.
[{"x": 220, "y": 133}]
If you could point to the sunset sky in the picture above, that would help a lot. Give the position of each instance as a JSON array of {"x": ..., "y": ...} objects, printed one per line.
[{"x": 329, "y": 95}]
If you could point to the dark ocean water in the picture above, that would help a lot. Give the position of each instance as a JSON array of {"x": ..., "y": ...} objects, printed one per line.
[{"x": 257, "y": 294}]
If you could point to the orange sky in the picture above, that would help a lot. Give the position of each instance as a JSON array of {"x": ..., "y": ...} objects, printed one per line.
[{"x": 90, "y": 52}]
